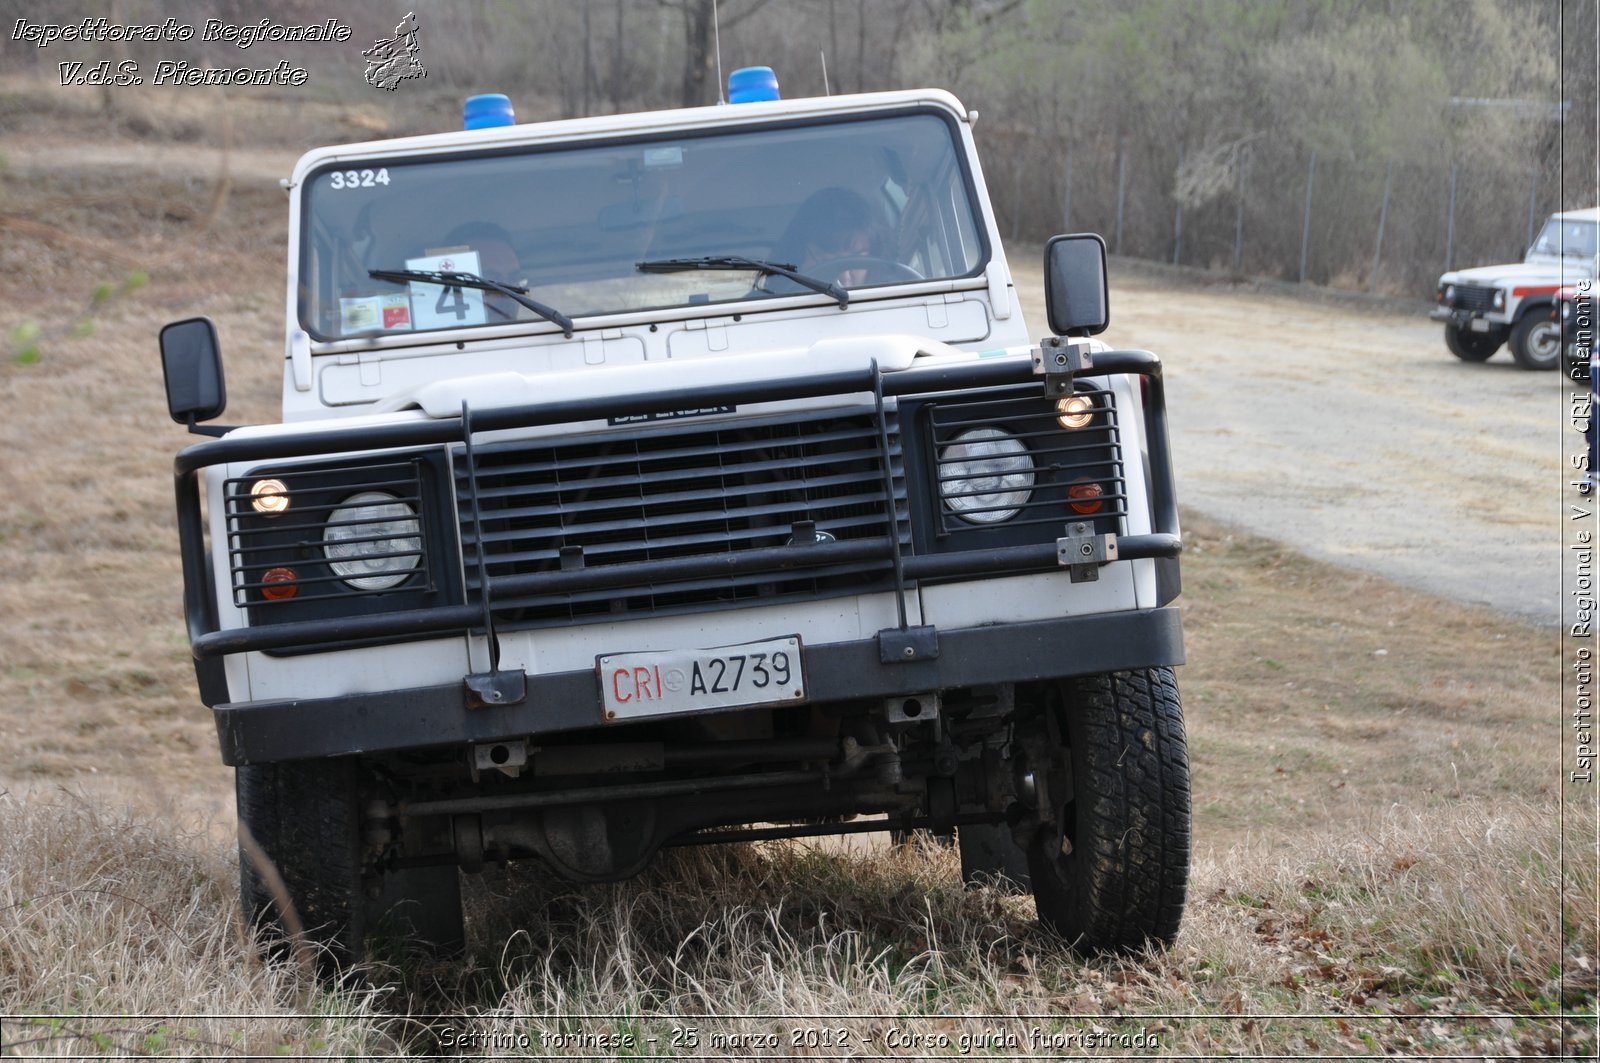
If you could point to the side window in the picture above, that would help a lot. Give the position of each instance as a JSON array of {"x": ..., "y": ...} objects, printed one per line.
[
  {"x": 1581, "y": 240},
  {"x": 966, "y": 249}
]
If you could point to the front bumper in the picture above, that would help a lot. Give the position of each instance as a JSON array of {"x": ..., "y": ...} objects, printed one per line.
[
  {"x": 1471, "y": 320},
  {"x": 439, "y": 717}
]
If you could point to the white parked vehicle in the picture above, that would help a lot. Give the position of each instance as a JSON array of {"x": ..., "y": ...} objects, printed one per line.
[
  {"x": 1487, "y": 306},
  {"x": 680, "y": 478}
]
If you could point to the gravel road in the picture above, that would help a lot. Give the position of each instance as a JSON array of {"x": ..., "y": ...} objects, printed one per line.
[{"x": 1342, "y": 427}]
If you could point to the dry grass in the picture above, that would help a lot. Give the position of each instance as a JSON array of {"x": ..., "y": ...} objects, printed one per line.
[
  {"x": 1419, "y": 933},
  {"x": 1315, "y": 694},
  {"x": 118, "y": 934}
]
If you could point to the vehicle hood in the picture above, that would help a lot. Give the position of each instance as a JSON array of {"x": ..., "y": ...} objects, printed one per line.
[
  {"x": 1519, "y": 273},
  {"x": 444, "y": 398}
]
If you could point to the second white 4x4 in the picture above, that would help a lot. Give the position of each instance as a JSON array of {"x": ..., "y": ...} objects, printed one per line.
[{"x": 1486, "y": 306}]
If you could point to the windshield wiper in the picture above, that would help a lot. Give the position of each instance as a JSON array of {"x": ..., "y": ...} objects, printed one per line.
[
  {"x": 451, "y": 278},
  {"x": 729, "y": 262}
]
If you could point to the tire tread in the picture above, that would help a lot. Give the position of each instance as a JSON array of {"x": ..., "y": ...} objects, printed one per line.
[{"x": 1131, "y": 780}]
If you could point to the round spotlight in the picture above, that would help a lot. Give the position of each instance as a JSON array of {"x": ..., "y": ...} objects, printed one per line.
[
  {"x": 986, "y": 475},
  {"x": 373, "y": 541},
  {"x": 269, "y": 497},
  {"x": 1074, "y": 411}
]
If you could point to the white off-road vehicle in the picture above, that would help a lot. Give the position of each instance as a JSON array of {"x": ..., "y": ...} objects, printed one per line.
[
  {"x": 681, "y": 478},
  {"x": 1487, "y": 306}
]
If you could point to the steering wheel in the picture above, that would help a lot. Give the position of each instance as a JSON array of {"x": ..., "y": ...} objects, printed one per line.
[{"x": 879, "y": 270}]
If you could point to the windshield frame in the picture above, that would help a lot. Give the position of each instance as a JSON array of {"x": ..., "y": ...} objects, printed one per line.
[{"x": 964, "y": 175}]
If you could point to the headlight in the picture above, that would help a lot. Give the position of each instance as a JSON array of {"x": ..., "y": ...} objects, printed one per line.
[
  {"x": 1449, "y": 293},
  {"x": 373, "y": 541},
  {"x": 985, "y": 475},
  {"x": 1499, "y": 299}
]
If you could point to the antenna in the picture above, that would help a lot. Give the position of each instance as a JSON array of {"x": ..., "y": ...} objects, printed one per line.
[
  {"x": 716, "y": 36},
  {"x": 823, "y": 55}
]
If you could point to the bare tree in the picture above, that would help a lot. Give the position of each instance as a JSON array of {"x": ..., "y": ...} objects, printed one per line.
[{"x": 702, "y": 21}]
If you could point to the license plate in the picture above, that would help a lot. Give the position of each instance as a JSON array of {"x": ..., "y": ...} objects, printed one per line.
[
  {"x": 671, "y": 682},
  {"x": 1478, "y": 324}
]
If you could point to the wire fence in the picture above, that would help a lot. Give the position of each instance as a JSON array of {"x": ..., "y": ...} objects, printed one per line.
[
  {"x": 1262, "y": 210},
  {"x": 1261, "y": 206}
]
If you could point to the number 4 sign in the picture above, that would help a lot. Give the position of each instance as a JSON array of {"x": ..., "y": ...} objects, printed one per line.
[{"x": 436, "y": 306}]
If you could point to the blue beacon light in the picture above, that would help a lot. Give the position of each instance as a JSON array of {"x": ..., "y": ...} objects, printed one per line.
[
  {"x": 487, "y": 110},
  {"x": 753, "y": 84}
]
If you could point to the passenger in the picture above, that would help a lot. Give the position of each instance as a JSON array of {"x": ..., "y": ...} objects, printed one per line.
[{"x": 497, "y": 261}]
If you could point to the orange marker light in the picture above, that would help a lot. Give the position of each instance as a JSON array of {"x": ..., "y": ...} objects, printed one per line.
[
  {"x": 280, "y": 584},
  {"x": 1091, "y": 493}
]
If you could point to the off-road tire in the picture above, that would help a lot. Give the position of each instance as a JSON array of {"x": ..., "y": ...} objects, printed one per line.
[
  {"x": 990, "y": 856},
  {"x": 303, "y": 818},
  {"x": 1472, "y": 346},
  {"x": 1114, "y": 873},
  {"x": 1536, "y": 339}
]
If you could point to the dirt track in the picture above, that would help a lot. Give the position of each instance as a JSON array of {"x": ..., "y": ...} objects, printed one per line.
[{"x": 1343, "y": 427}]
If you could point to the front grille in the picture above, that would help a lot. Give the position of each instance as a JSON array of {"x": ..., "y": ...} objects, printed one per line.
[
  {"x": 1474, "y": 297},
  {"x": 681, "y": 492},
  {"x": 266, "y": 549},
  {"x": 1035, "y": 489}
]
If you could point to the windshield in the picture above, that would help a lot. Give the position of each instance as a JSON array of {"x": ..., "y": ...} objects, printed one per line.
[
  {"x": 1563, "y": 236},
  {"x": 863, "y": 203}
]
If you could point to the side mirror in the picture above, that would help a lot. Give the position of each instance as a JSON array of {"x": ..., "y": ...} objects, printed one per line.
[
  {"x": 1075, "y": 293},
  {"x": 191, "y": 362}
]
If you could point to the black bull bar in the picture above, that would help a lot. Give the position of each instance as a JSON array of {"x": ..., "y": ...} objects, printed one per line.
[{"x": 209, "y": 640}]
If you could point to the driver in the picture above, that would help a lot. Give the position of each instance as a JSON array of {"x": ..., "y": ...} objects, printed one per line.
[{"x": 833, "y": 223}]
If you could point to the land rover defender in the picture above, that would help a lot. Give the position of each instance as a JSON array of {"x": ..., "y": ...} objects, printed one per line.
[
  {"x": 1487, "y": 306},
  {"x": 620, "y": 501}
]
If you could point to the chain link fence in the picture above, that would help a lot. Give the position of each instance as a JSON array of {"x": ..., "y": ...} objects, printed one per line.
[{"x": 1258, "y": 209}]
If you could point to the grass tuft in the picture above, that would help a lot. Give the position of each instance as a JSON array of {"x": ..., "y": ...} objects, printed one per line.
[{"x": 118, "y": 933}]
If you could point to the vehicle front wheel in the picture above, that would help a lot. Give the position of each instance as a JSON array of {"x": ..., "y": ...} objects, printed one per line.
[
  {"x": 1110, "y": 865},
  {"x": 303, "y": 872},
  {"x": 1472, "y": 346},
  {"x": 1536, "y": 340}
]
